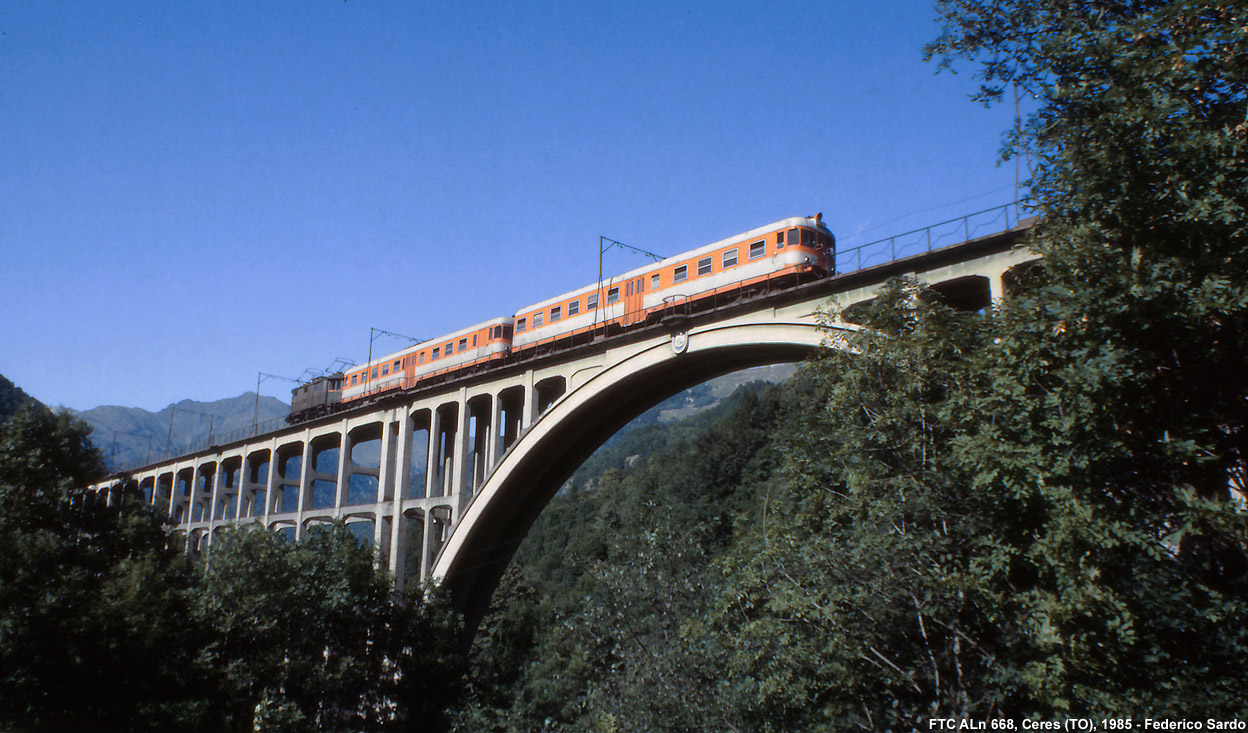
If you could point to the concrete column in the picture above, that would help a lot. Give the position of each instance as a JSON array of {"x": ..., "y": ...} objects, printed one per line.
[
  {"x": 385, "y": 477},
  {"x": 214, "y": 497},
  {"x": 381, "y": 536},
  {"x": 403, "y": 465},
  {"x": 426, "y": 554},
  {"x": 422, "y": 572},
  {"x": 461, "y": 473},
  {"x": 239, "y": 486},
  {"x": 496, "y": 427},
  {"x": 433, "y": 471},
  {"x": 433, "y": 529},
  {"x": 996, "y": 288},
  {"x": 173, "y": 490},
  {"x": 385, "y": 466},
  {"x": 530, "y": 402},
  {"x": 270, "y": 482},
  {"x": 344, "y": 471},
  {"x": 403, "y": 457},
  {"x": 304, "y": 493}
]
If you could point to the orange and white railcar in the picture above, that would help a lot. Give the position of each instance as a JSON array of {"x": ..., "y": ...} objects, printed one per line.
[
  {"x": 479, "y": 344},
  {"x": 799, "y": 244},
  {"x": 787, "y": 247}
]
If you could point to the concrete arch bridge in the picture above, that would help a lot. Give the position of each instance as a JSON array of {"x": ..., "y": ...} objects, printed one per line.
[{"x": 446, "y": 480}]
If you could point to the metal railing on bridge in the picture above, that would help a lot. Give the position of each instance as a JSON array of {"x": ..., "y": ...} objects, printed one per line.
[{"x": 921, "y": 241}]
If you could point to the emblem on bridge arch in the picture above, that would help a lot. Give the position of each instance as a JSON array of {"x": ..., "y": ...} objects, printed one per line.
[{"x": 680, "y": 342}]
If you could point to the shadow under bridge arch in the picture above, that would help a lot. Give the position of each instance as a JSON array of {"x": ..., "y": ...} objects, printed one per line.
[{"x": 531, "y": 472}]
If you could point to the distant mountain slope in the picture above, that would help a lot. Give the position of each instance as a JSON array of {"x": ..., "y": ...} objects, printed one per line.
[
  {"x": 12, "y": 398},
  {"x": 130, "y": 436}
]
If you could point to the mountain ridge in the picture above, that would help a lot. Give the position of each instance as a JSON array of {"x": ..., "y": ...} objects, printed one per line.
[{"x": 129, "y": 436}]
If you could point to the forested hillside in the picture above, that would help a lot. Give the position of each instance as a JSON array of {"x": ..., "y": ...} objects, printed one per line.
[{"x": 596, "y": 623}]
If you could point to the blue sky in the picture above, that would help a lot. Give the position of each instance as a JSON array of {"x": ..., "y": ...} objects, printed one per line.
[{"x": 195, "y": 192}]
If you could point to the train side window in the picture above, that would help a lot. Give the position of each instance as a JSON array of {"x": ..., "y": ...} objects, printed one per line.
[
  {"x": 730, "y": 258},
  {"x": 374, "y": 372},
  {"x": 449, "y": 349},
  {"x": 396, "y": 365},
  {"x": 591, "y": 301},
  {"x": 793, "y": 238},
  {"x": 655, "y": 279},
  {"x": 758, "y": 249},
  {"x": 422, "y": 357},
  {"x": 537, "y": 320},
  {"x": 355, "y": 378},
  {"x": 437, "y": 351},
  {"x": 474, "y": 339},
  {"x": 573, "y": 308},
  {"x": 385, "y": 370},
  {"x": 463, "y": 344},
  {"x": 613, "y": 295},
  {"x": 680, "y": 274},
  {"x": 521, "y": 325},
  {"x": 556, "y": 313},
  {"x": 704, "y": 266},
  {"x": 779, "y": 239}
]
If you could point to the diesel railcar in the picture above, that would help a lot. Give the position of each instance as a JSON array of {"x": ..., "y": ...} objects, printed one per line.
[{"x": 785, "y": 248}]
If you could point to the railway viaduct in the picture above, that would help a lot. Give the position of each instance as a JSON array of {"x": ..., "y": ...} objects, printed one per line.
[{"x": 446, "y": 479}]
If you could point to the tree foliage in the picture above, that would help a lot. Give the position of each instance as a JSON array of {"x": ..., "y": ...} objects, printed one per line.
[
  {"x": 105, "y": 624},
  {"x": 92, "y": 598},
  {"x": 1116, "y": 396},
  {"x": 309, "y": 635}
]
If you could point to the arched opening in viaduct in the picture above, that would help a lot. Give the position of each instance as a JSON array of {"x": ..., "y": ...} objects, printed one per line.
[{"x": 529, "y": 475}]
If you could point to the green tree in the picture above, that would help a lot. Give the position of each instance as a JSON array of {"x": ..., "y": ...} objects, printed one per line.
[
  {"x": 598, "y": 625},
  {"x": 872, "y": 590},
  {"x": 310, "y": 636},
  {"x": 1116, "y": 397},
  {"x": 94, "y": 630}
]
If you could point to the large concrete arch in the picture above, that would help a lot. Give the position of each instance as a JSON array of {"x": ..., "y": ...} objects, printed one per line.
[{"x": 527, "y": 477}]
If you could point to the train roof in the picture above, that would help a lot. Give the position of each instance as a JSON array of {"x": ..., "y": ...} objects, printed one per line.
[
  {"x": 438, "y": 341},
  {"x": 794, "y": 221}
]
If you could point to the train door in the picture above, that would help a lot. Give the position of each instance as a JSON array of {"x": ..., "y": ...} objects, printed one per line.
[{"x": 634, "y": 311}]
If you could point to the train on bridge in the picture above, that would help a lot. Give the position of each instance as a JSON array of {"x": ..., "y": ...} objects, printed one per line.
[{"x": 731, "y": 269}]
